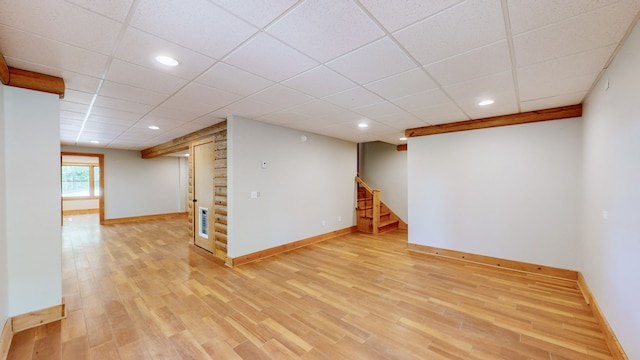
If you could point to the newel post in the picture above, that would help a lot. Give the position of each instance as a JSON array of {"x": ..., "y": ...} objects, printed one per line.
[{"x": 376, "y": 211}]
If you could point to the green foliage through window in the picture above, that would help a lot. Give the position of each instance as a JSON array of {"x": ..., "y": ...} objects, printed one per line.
[{"x": 80, "y": 180}]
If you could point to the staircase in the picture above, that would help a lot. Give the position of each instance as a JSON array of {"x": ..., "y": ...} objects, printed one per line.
[{"x": 374, "y": 216}]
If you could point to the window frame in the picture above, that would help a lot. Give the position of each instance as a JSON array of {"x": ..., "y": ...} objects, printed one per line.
[{"x": 92, "y": 181}]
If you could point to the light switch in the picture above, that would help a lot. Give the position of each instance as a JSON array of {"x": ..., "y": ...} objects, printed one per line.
[{"x": 255, "y": 194}]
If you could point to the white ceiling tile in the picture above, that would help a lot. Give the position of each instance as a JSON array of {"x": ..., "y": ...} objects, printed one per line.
[
  {"x": 482, "y": 88},
  {"x": 176, "y": 116},
  {"x": 119, "y": 115},
  {"x": 19, "y": 44},
  {"x": 62, "y": 21},
  {"x": 115, "y": 9},
  {"x": 124, "y": 92},
  {"x": 281, "y": 96},
  {"x": 124, "y": 121},
  {"x": 393, "y": 17},
  {"x": 77, "y": 96},
  {"x": 107, "y": 129},
  {"x": 124, "y": 105},
  {"x": 343, "y": 117},
  {"x": 70, "y": 124},
  {"x": 319, "y": 82},
  {"x": 554, "y": 101},
  {"x": 505, "y": 104},
  {"x": 379, "y": 110},
  {"x": 247, "y": 108},
  {"x": 575, "y": 35},
  {"x": 71, "y": 115},
  {"x": 318, "y": 122},
  {"x": 325, "y": 29},
  {"x": 316, "y": 108},
  {"x": 267, "y": 57},
  {"x": 283, "y": 117},
  {"x": 139, "y": 134},
  {"x": 403, "y": 84},
  {"x": 228, "y": 78},
  {"x": 79, "y": 82},
  {"x": 100, "y": 135},
  {"x": 542, "y": 89},
  {"x": 73, "y": 107},
  {"x": 259, "y": 13},
  {"x": 459, "y": 29},
  {"x": 141, "y": 48},
  {"x": 218, "y": 32},
  {"x": 480, "y": 62},
  {"x": 588, "y": 62},
  {"x": 138, "y": 76},
  {"x": 527, "y": 15},
  {"x": 560, "y": 48},
  {"x": 196, "y": 92},
  {"x": 208, "y": 120},
  {"x": 190, "y": 107},
  {"x": 422, "y": 99},
  {"x": 401, "y": 121},
  {"x": 440, "y": 114},
  {"x": 354, "y": 98},
  {"x": 373, "y": 62}
]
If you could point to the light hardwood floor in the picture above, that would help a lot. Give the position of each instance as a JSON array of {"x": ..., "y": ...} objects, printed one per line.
[{"x": 141, "y": 291}]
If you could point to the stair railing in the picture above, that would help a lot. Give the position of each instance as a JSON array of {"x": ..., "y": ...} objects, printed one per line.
[{"x": 375, "y": 205}]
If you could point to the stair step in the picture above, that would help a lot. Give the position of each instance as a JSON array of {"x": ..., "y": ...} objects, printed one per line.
[
  {"x": 388, "y": 225},
  {"x": 368, "y": 216}
]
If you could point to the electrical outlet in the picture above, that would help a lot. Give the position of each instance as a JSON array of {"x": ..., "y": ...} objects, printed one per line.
[
  {"x": 323, "y": 223},
  {"x": 339, "y": 218}
]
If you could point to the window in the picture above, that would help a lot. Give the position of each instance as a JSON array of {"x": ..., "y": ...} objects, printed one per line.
[{"x": 80, "y": 180}]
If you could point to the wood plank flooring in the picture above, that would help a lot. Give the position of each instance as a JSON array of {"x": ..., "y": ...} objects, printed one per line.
[{"x": 141, "y": 291}]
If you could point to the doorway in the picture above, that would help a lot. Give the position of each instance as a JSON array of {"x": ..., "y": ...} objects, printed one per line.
[
  {"x": 82, "y": 184},
  {"x": 203, "y": 153}
]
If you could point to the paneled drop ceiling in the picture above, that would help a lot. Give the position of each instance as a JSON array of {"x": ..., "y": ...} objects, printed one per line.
[{"x": 321, "y": 66}]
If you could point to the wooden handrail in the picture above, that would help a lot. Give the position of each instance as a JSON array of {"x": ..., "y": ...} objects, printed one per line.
[
  {"x": 375, "y": 209},
  {"x": 364, "y": 185}
]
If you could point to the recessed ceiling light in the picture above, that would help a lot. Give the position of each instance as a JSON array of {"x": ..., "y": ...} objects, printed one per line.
[
  {"x": 486, "y": 102},
  {"x": 362, "y": 125},
  {"x": 94, "y": 142},
  {"x": 153, "y": 127},
  {"x": 167, "y": 60},
  {"x": 403, "y": 138}
]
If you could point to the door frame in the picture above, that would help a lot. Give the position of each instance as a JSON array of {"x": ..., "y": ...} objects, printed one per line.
[
  {"x": 101, "y": 165},
  {"x": 195, "y": 217}
]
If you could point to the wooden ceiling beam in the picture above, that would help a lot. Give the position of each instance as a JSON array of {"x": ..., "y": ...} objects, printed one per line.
[
  {"x": 36, "y": 81},
  {"x": 4, "y": 71},
  {"x": 181, "y": 143},
  {"x": 563, "y": 112},
  {"x": 30, "y": 80}
]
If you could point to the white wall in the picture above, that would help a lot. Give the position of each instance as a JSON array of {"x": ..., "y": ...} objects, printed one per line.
[
  {"x": 80, "y": 204},
  {"x": 383, "y": 167},
  {"x": 510, "y": 192},
  {"x": 32, "y": 175},
  {"x": 4, "y": 280},
  {"x": 610, "y": 247},
  {"x": 304, "y": 184},
  {"x": 137, "y": 187}
]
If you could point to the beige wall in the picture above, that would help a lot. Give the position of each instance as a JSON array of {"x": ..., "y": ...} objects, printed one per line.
[
  {"x": 33, "y": 230},
  {"x": 611, "y": 200},
  {"x": 305, "y": 188},
  {"x": 511, "y": 192}
]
